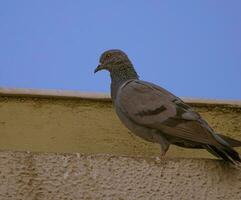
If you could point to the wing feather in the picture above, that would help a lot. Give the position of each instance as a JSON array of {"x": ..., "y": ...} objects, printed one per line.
[{"x": 152, "y": 106}]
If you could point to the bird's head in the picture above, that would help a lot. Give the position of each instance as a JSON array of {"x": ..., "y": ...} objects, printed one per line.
[{"x": 111, "y": 59}]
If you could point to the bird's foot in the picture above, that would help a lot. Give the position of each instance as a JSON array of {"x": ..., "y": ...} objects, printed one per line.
[{"x": 161, "y": 157}]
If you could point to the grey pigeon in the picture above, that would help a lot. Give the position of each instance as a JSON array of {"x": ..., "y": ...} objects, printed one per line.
[{"x": 158, "y": 116}]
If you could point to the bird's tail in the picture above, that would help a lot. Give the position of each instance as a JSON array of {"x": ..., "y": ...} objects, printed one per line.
[
  {"x": 232, "y": 142},
  {"x": 227, "y": 154},
  {"x": 224, "y": 149}
]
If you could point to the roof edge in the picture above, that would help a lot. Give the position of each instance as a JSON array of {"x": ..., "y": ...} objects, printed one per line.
[{"x": 48, "y": 93}]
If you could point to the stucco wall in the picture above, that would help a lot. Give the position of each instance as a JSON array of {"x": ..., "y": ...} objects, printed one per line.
[
  {"x": 73, "y": 176},
  {"x": 104, "y": 160}
]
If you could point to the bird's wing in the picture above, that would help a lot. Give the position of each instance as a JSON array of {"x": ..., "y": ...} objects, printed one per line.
[{"x": 152, "y": 106}]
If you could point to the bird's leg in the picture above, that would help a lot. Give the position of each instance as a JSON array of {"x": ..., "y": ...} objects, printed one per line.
[
  {"x": 164, "y": 149},
  {"x": 161, "y": 157},
  {"x": 163, "y": 153},
  {"x": 164, "y": 143}
]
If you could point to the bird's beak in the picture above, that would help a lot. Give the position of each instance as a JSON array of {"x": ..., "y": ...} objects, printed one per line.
[{"x": 98, "y": 68}]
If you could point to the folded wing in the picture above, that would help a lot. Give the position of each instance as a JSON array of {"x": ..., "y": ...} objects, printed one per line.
[{"x": 152, "y": 106}]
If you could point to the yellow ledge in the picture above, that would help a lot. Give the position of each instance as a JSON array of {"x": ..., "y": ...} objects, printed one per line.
[{"x": 65, "y": 121}]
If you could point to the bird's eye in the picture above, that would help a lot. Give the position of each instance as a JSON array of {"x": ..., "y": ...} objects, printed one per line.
[{"x": 107, "y": 56}]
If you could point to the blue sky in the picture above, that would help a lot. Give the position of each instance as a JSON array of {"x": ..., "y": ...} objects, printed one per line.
[{"x": 192, "y": 48}]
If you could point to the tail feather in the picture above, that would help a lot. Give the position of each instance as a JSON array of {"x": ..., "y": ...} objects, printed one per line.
[
  {"x": 226, "y": 153},
  {"x": 216, "y": 152},
  {"x": 233, "y": 154},
  {"x": 213, "y": 151},
  {"x": 232, "y": 142}
]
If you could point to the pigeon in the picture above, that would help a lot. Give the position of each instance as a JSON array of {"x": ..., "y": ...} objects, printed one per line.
[{"x": 156, "y": 115}]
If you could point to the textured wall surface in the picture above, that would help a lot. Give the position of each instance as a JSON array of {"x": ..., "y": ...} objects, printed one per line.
[{"x": 74, "y": 176}]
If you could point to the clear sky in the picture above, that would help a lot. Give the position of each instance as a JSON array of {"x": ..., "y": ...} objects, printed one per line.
[{"x": 192, "y": 48}]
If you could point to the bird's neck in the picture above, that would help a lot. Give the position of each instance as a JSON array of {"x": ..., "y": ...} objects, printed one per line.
[{"x": 118, "y": 77}]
